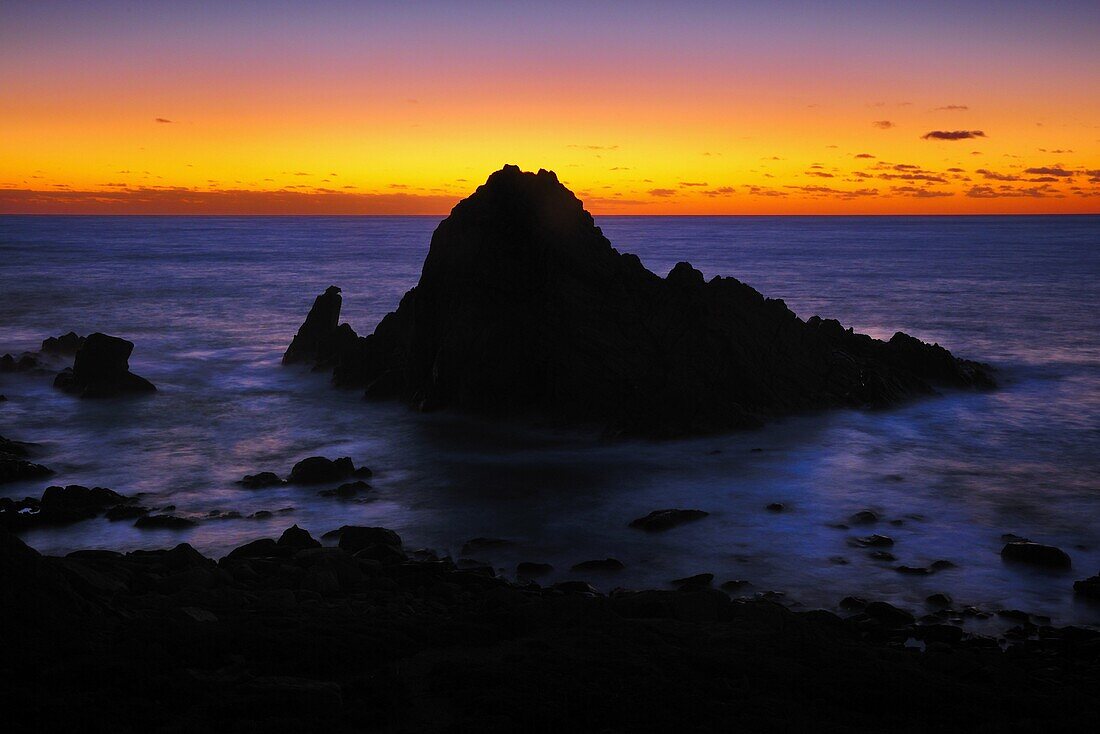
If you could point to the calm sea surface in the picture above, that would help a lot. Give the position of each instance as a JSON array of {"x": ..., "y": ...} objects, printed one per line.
[{"x": 212, "y": 302}]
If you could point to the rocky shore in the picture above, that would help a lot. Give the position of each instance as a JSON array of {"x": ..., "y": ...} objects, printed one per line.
[{"x": 364, "y": 634}]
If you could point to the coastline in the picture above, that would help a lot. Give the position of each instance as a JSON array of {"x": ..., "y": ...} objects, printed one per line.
[{"x": 288, "y": 633}]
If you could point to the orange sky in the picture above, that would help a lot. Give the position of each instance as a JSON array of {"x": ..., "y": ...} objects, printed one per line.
[{"x": 640, "y": 108}]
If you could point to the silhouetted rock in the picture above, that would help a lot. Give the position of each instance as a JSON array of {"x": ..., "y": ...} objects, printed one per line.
[
  {"x": 874, "y": 541},
  {"x": 775, "y": 507},
  {"x": 863, "y": 517},
  {"x": 1088, "y": 588},
  {"x": 318, "y": 470},
  {"x": 664, "y": 519},
  {"x": 698, "y": 581},
  {"x": 1036, "y": 554},
  {"x": 346, "y": 490},
  {"x": 59, "y": 506},
  {"x": 66, "y": 345},
  {"x": 261, "y": 480},
  {"x": 523, "y": 307},
  {"x": 102, "y": 369},
  {"x": 14, "y": 465},
  {"x": 296, "y": 538},
  {"x": 941, "y": 601},
  {"x": 25, "y": 362},
  {"x": 321, "y": 339}
]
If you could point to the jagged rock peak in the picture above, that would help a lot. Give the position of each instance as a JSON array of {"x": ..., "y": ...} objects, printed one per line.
[{"x": 524, "y": 308}]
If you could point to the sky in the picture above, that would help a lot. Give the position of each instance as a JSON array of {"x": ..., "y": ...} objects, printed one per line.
[{"x": 640, "y": 108}]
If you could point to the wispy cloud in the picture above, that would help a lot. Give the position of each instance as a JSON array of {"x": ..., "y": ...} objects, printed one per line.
[
  {"x": 883, "y": 124},
  {"x": 661, "y": 192},
  {"x": 953, "y": 135},
  {"x": 952, "y": 108},
  {"x": 1049, "y": 171},
  {"x": 162, "y": 120}
]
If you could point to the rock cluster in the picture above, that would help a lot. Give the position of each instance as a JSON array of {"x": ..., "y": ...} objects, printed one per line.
[
  {"x": 101, "y": 369},
  {"x": 524, "y": 308},
  {"x": 61, "y": 506},
  {"x": 15, "y": 465},
  {"x": 285, "y": 634}
]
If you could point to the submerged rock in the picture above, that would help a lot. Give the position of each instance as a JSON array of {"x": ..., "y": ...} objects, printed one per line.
[
  {"x": 523, "y": 307},
  {"x": 665, "y": 519},
  {"x": 318, "y": 470},
  {"x": 101, "y": 369},
  {"x": 1036, "y": 554},
  {"x": 261, "y": 480},
  {"x": 603, "y": 565}
]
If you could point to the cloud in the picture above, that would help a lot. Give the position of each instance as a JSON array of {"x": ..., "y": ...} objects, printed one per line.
[
  {"x": 988, "y": 192},
  {"x": 162, "y": 120},
  {"x": 883, "y": 124},
  {"x": 952, "y": 135},
  {"x": 918, "y": 193},
  {"x": 994, "y": 176},
  {"x": 952, "y": 108},
  {"x": 594, "y": 147},
  {"x": 822, "y": 191},
  {"x": 819, "y": 174},
  {"x": 864, "y": 155},
  {"x": 661, "y": 192},
  {"x": 722, "y": 191},
  {"x": 1055, "y": 151},
  {"x": 694, "y": 183},
  {"x": 1049, "y": 171}
]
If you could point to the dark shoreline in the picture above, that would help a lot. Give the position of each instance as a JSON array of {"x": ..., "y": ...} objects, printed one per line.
[{"x": 287, "y": 635}]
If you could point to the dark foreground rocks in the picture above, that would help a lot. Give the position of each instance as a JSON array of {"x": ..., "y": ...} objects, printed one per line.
[
  {"x": 15, "y": 465},
  {"x": 524, "y": 308},
  {"x": 290, "y": 636},
  {"x": 1036, "y": 554},
  {"x": 101, "y": 369}
]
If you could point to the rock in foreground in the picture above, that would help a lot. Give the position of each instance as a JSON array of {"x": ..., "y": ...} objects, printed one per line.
[
  {"x": 524, "y": 308},
  {"x": 101, "y": 369}
]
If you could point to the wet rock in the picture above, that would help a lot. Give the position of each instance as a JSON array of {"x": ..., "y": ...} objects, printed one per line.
[
  {"x": 875, "y": 541},
  {"x": 519, "y": 275},
  {"x": 602, "y": 565},
  {"x": 940, "y": 600},
  {"x": 261, "y": 515},
  {"x": 1035, "y": 554},
  {"x": 101, "y": 369},
  {"x": 1088, "y": 588},
  {"x": 261, "y": 480},
  {"x": 346, "y": 490},
  {"x": 297, "y": 539},
  {"x": 529, "y": 569},
  {"x": 319, "y": 470},
  {"x": 15, "y": 469},
  {"x": 59, "y": 506},
  {"x": 775, "y": 507},
  {"x": 478, "y": 545},
  {"x": 913, "y": 570},
  {"x": 863, "y": 517},
  {"x": 698, "y": 581},
  {"x": 881, "y": 555},
  {"x": 941, "y": 565},
  {"x": 164, "y": 522},
  {"x": 660, "y": 520},
  {"x": 354, "y": 538}
]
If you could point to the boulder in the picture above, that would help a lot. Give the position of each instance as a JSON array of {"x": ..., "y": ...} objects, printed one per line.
[
  {"x": 1036, "y": 554},
  {"x": 296, "y": 538},
  {"x": 523, "y": 307},
  {"x": 354, "y": 538},
  {"x": 260, "y": 480},
  {"x": 659, "y": 520},
  {"x": 318, "y": 470},
  {"x": 1088, "y": 588},
  {"x": 101, "y": 369}
]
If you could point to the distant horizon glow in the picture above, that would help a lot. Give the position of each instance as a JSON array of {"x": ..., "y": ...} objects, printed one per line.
[{"x": 640, "y": 108}]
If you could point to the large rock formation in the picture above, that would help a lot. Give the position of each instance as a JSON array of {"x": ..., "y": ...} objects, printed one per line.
[
  {"x": 102, "y": 369},
  {"x": 524, "y": 308}
]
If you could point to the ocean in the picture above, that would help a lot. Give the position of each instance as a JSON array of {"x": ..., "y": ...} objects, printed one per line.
[{"x": 212, "y": 302}]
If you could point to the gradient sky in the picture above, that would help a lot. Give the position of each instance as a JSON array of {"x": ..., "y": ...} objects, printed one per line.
[{"x": 641, "y": 108}]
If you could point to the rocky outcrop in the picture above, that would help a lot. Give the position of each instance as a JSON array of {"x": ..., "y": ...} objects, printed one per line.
[
  {"x": 59, "y": 506},
  {"x": 524, "y": 308},
  {"x": 101, "y": 369},
  {"x": 55, "y": 350},
  {"x": 14, "y": 464}
]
